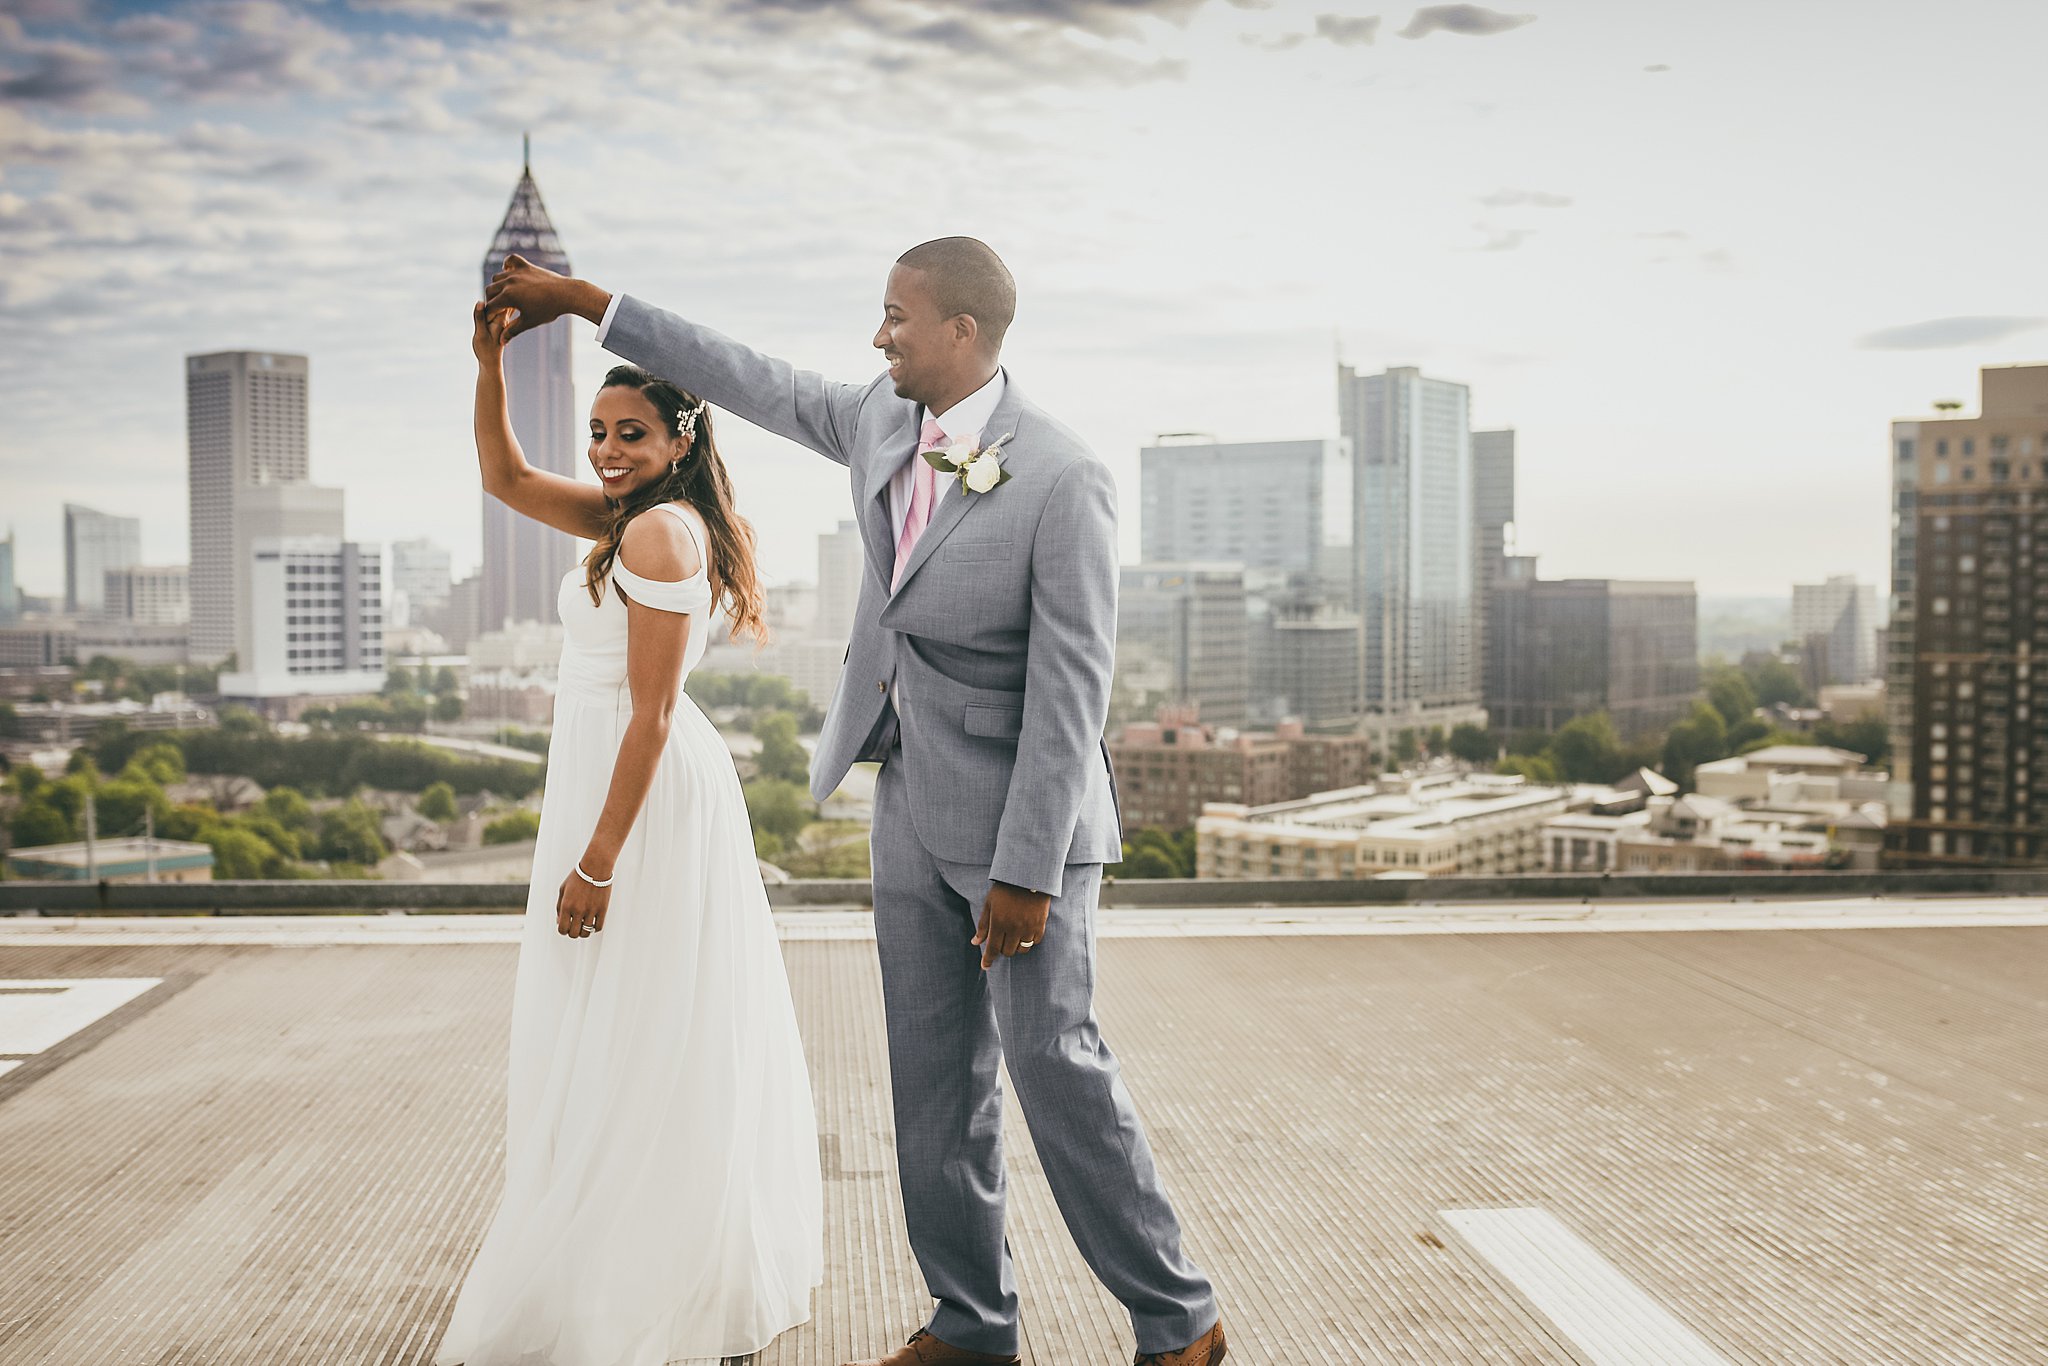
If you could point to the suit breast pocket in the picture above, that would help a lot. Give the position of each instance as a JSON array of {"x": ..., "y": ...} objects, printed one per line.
[
  {"x": 997, "y": 723},
  {"x": 968, "y": 551}
]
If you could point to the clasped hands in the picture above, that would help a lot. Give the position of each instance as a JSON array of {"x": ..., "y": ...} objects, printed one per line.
[{"x": 538, "y": 296}]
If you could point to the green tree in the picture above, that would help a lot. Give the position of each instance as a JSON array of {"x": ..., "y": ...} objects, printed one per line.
[
  {"x": 1406, "y": 746},
  {"x": 1529, "y": 740},
  {"x": 1866, "y": 734},
  {"x": 1537, "y": 768},
  {"x": 1749, "y": 731},
  {"x": 1473, "y": 744},
  {"x": 25, "y": 780},
  {"x": 1587, "y": 749},
  {"x": 1701, "y": 737},
  {"x": 397, "y": 679},
  {"x": 160, "y": 763},
  {"x": 437, "y": 803},
  {"x": 123, "y": 803},
  {"x": 188, "y": 821},
  {"x": 38, "y": 823},
  {"x": 781, "y": 808},
  {"x": 239, "y": 854},
  {"x": 445, "y": 681},
  {"x": 10, "y": 719},
  {"x": 447, "y": 707},
  {"x": 287, "y": 844},
  {"x": 1728, "y": 688},
  {"x": 513, "y": 827},
  {"x": 349, "y": 833},
  {"x": 288, "y": 808},
  {"x": 781, "y": 757},
  {"x": 1152, "y": 852},
  {"x": 1775, "y": 681}
]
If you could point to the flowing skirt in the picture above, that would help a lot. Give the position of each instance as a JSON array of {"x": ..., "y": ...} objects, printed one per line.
[{"x": 662, "y": 1198}]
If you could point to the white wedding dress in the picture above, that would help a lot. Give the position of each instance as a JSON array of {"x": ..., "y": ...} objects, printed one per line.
[{"x": 662, "y": 1201}]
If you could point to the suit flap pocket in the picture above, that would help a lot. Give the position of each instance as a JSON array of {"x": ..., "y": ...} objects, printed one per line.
[
  {"x": 1001, "y": 723},
  {"x": 975, "y": 550}
]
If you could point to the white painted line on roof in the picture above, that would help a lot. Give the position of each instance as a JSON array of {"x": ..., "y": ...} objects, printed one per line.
[
  {"x": 1600, "y": 1310},
  {"x": 40, "y": 1013},
  {"x": 8, "y": 1065}
]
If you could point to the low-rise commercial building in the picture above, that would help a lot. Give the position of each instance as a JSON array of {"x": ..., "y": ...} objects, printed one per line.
[
  {"x": 137, "y": 859},
  {"x": 1166, "y": 769},
  {"x": 1436, "y": 825}
]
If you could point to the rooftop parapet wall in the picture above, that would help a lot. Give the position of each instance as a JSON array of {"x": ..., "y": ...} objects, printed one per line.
[{"x": 313, "y": 897}]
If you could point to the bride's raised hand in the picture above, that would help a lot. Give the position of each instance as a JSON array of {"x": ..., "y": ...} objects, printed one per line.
[{"x": 489, "y": 332}]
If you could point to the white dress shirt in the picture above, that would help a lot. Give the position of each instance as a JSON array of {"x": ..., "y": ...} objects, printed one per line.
[{"x": 964, "y": 419}]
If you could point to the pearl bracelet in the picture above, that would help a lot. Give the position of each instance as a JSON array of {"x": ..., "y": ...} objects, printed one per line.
[{"x": 591, "y": 880}]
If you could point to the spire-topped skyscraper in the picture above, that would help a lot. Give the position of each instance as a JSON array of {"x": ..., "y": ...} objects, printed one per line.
[{"x": 524, "y": 561}]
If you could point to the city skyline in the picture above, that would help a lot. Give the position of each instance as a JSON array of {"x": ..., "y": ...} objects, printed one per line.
[{"x": 1639, "y": 239}]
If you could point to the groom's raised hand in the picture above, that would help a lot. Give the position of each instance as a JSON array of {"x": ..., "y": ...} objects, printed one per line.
[
  {"x": 537, "y": 296},
  {"x": 1012, "y": 922}
]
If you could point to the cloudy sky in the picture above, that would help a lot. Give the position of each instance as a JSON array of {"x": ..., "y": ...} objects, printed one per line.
[{"x": 1697, "y": 254}]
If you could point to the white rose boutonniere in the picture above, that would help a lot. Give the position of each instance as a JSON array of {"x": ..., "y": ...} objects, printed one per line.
[{"x": 978, "y": 468}]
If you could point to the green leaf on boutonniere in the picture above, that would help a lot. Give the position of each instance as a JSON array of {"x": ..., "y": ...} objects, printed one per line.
[{"x": 938, "y": 461}]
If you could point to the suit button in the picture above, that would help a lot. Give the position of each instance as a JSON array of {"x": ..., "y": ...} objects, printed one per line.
[{"x": 882, "y": 688}]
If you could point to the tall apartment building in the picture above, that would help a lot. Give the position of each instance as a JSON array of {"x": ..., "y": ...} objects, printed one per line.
[
  {"x": 1413, "y": 546},
  {"x": 1304, "y": 662},
  {"x": 148, "y": 595},
  {"x": 1256, "y": 503},
  {"x": 524, "y": 561},
  {"x": 317, "y": 612},
  {"x": 1969, "y": 625},
  {"x": 1836, "y": 624},
  {"x": 421, "y": 577},
  {"x": 1493, "y": 517},
  {"x": 10, "y": 591},
  {"x": 840, "y": 565},
  {"x": 1187, "y": 625},
  {"x": 95, "y": 542},
  {"x": 245, "y": 415},
  {"x": 1569, "y": 647}
]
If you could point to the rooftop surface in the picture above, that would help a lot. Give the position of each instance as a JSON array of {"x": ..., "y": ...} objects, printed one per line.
[{"x": 1399, "y": 1135}]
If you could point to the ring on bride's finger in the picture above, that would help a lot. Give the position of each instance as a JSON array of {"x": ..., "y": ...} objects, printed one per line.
[{"x": 1027, "y": 943}]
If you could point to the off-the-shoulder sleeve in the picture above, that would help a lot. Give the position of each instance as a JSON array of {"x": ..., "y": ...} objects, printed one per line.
[{"x": 687, "y": 597}]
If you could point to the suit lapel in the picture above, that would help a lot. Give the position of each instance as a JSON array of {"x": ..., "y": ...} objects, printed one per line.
[
  {"x": 956, "y": 504},
  {"x": 878, "y": 528}
]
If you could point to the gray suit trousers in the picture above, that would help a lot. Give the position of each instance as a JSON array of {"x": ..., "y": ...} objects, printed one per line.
[{"x": 950, "y": 1025}]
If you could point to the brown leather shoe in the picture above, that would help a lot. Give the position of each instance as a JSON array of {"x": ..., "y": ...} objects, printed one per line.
[
  {"x": 1207, "y": 1350},
  {"x": 925, "y": 1350}
]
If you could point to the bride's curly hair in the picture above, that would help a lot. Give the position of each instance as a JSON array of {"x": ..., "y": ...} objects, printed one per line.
[{"x": 701, "y": 481}]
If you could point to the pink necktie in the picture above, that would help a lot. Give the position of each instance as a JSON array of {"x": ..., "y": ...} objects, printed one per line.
[{"x": 923, "y": 489}]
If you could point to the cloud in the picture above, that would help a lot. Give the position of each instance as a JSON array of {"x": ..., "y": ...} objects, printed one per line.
[
  {"x": 1345, "y": 31},
  {"x": 1475, "y": 21},
  {"x": 1657, "y": 66},
  {"x": 1503, "y": 239},
  {"x": 1939, "y": 333},
  {"x": 65, "y": 75},
  {"x": 1526, "y": 199}
]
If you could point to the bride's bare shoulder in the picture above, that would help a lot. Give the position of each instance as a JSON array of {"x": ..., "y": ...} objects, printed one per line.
[{"x": 657, "y": 545}]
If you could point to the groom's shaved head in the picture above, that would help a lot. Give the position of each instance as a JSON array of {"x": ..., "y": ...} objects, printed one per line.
[{"x": 966, "y": 276}]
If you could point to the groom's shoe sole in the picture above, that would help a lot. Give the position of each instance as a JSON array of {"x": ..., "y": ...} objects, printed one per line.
[{"x": 925, "y": 1350}]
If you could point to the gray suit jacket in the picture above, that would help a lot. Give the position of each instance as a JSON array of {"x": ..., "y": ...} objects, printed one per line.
[{"x": 1000, "y": 642}]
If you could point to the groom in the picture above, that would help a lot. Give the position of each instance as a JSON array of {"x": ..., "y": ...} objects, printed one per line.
[{"x": 978, "y": 675}]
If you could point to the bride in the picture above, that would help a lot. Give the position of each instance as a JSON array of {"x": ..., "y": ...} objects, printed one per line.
[{"x": 662, "y": 1200}]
